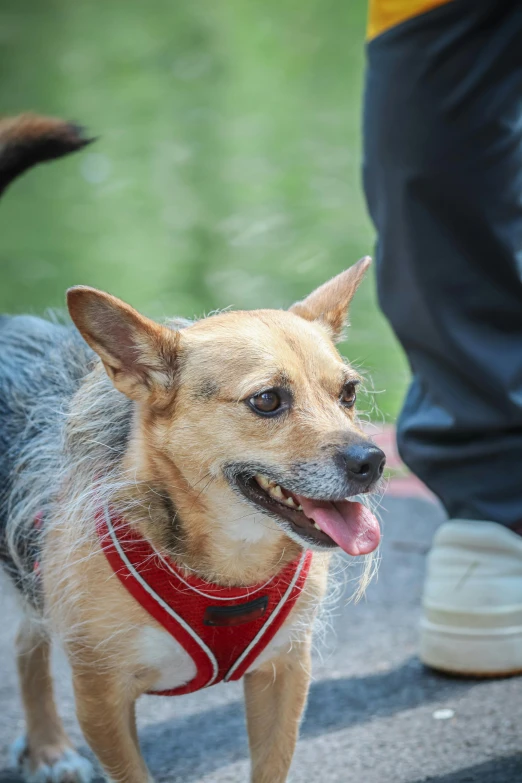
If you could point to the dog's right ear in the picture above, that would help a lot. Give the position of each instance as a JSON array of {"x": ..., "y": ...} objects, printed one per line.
[{"x": 139, "y": 355}]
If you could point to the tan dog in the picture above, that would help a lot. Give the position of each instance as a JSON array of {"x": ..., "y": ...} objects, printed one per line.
[{"x": 230, "y": 445}]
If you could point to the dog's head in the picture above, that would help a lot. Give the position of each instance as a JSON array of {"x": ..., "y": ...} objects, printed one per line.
[{"x": 252, "y": 408}]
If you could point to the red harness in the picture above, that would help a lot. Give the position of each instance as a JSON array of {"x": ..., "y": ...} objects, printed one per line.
[{"x": 223, "y": 629}]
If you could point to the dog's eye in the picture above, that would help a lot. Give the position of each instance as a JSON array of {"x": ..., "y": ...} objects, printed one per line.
[
  {"x": 348, "y": 395},
  {"x": 266, "y": 402}
]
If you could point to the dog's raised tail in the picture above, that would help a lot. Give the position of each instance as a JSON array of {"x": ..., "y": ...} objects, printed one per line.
[{"x": 29, "y": 139}]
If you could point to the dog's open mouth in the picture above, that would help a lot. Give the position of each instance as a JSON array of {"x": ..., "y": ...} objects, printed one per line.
[{"x": 344, "y": 523}]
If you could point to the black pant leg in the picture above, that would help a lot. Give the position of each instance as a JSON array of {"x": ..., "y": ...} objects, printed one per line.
[{"x": 443, "y": 180}]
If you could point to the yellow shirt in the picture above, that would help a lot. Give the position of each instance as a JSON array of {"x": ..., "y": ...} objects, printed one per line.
[{"x": 384, "y": 14}]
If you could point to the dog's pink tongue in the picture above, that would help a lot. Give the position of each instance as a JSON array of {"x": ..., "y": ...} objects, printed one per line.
[{"x": 352, "y": 526}]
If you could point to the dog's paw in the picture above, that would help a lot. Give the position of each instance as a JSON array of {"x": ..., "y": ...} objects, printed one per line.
[{"x": 50, "y": 764}]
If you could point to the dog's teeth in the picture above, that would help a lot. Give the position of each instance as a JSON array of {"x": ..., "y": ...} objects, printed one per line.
[
  {"x": 262, "y": 480},
  {"x": 276, "y": 492},
  {"x": 316, "y": 525},
  {"x": 299, "y": 508}
]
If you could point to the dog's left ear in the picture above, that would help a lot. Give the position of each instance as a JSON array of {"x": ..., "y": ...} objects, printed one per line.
[
  {"x": 139, "y": 355},
  {"x": 329, "y": 303}
]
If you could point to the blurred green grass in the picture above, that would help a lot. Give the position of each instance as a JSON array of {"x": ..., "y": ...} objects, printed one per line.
[{"x": 227, "y": 171}]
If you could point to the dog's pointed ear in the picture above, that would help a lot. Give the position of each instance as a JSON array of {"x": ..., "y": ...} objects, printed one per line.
[
  {"x": 329, "y": 303},
  {"x": 139, "y": 355}
]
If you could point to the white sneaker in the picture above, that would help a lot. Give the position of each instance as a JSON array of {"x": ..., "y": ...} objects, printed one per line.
[{"x": 472, "y": 603}]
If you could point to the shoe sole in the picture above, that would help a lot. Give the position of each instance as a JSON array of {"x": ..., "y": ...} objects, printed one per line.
[{"x": 471, "y": 652}]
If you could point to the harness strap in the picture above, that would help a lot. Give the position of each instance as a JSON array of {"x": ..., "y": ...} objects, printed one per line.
[{"x": 223, "y": 629}]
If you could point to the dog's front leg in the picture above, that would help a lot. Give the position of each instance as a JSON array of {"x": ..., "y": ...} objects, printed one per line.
[
  {"x": 275, "y": 696},
  {"x": 106, "y": 711}
]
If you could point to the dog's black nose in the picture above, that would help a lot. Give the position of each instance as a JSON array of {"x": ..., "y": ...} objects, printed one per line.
[{"x": 364, "y": 462}]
